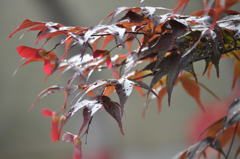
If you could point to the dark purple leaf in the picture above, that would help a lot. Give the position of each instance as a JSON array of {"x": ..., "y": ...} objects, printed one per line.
[
  {"x": 214, "y": 42},
  {"x": 86, "y": 119},
  {"x": 172, "y": 75},
  {"x": 169, "y": 66},
  {"x": 158, "y": 47},
  {"x": 114, "y": 109},
  {"x": 178, "y": 29}
]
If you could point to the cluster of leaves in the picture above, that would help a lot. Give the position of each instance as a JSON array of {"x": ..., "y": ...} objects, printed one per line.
[
  {"x": 161, "y": 47},
  {"x": 218, "y": 135}
]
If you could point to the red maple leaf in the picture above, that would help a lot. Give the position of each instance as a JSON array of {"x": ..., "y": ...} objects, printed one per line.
[
  {"x": 33, "y": 55},
  {"x": 55, "y": 130}
]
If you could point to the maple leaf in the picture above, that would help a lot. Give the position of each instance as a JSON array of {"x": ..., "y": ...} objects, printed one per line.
[
  {"x": 34, "y": 55},
  {"x": 114, "y": 109},
  {"x": 25, "y": 24},
  {"x": 55, "y": 131}
]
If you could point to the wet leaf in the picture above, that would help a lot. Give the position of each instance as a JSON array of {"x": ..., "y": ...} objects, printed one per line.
[
  {"x": 124, "y": 90},
  {"x": 114, "y": 109},
  {"x": 164, "y": 45},
  {"x": 78, "y": 63},
  {"x": 93, "y": 106}
]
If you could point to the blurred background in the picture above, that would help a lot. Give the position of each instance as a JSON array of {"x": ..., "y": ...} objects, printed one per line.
[{"x": 26, "y": 135}]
